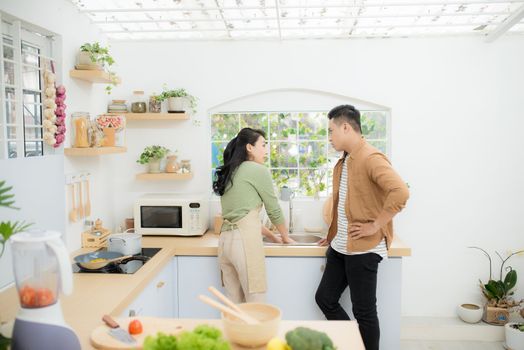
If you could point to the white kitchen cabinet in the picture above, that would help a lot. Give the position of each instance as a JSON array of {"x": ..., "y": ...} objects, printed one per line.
[
  {"x": 292, "y": 283},
  {"x": 159, "y": 298},
  {"x": 195, "y": 274}
]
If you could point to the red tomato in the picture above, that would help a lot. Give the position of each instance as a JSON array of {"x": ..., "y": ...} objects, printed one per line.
[
  {"x": 27, "y": 297},
  {"x": 44, "y": 297},
  {"x": 135, "y": 327}
]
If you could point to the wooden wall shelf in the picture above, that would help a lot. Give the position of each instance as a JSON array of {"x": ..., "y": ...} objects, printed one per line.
[
  {"x": 87, "y": 152},
  {"x": 93, "y": 76},
  {"x": 154, "y": 116},
  {"x": 164, "y": 176}
]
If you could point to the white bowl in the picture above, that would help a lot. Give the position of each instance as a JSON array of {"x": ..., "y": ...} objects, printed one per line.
[
  {"x": 514, "y": 337},
  {"x": 470, "y": 312}
]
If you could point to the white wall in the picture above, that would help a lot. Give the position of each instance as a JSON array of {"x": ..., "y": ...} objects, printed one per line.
[
  {"x": 457, "y": 134},
  {"x": 63, "y": 18}
]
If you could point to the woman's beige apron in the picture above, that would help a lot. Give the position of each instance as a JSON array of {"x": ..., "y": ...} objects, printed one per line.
[{"x": 250, "y": 228}]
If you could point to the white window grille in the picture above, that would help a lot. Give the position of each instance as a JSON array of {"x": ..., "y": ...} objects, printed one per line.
[
  {"x": 25, "y": 51},
  {"x": 300, "y": 155}
]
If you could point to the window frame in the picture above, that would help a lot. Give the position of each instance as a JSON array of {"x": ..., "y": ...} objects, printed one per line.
[
  {"x": 23, "y": 34},
  {"x": 327, "y": 167}
]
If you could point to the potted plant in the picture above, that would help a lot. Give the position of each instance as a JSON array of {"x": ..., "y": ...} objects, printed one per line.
[
  {"x": 96, "y": 57},
  {"x": 153, "y": 155},
  {"x": 8, "y": 228},
  {"x": 179, "y": 100},
  {"x": 499, "y": 292}
]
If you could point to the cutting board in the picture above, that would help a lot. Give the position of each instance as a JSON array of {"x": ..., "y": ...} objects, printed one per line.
[{"x": 101, "y": 339}]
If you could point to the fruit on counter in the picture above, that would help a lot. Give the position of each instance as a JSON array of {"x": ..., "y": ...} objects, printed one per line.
[
  {"x": 135, "y": 327},
  {"x": 302, "y": 338},
  {"x": 36, "y": 297},
  {"x": 203, "y": 337},
  {"x": 277, "y": 344}
]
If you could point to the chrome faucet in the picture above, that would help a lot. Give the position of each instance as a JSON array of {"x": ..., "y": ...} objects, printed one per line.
[{"x": 287, "y": 194}]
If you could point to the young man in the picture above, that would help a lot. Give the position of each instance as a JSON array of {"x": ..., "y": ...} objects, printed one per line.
[{"x": 367, "y": 193}]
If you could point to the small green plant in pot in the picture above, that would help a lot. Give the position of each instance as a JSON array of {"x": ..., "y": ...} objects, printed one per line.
[
  {"x": 178, "y": 99},
  {"x": 153, "y": 155},
  {"x": 499, "y": 292},
  {"x": 95, "y": 56}
]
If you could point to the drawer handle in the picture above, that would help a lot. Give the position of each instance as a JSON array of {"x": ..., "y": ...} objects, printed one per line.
[{"x": 160, "y": 284}]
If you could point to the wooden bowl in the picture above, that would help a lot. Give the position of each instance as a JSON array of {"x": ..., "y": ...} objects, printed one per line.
[{"x": 253, "y": 335}]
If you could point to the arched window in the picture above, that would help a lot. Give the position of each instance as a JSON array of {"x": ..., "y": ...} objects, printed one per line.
[{"x": 295, "y": 122}]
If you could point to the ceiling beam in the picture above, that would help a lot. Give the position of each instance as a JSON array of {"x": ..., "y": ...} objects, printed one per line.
[
  {"x": 506, "y": 25},
  {"x": 288, "y": 18},
  {"x": 344, "y": 28},
  {"x": 341, "y": 5},
  {"x": 297, "y": 37},
  {"x": 278, "y": 19}
]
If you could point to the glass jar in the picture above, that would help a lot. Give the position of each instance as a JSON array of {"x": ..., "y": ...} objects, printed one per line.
[
  {"x": 80, "y": 125},
  {"x": 172, "y": 165},
  {"x": 185, "y": 166},
  {"x": 154, "y": 105},
  {"x": 139, "y": 103}
]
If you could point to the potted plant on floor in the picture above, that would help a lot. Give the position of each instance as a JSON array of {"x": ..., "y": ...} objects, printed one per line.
[
  {"x": 499, "y": 292},
  {"x": 179, "y": 100},
  {"x": 514, "y": 335},
  {"x": 152, "y": 156}
]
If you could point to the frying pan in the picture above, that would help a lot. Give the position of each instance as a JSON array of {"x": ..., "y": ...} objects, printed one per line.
[{"x": 85, "y": 260}]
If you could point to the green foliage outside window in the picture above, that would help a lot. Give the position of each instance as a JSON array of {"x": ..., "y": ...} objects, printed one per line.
[{"x": 300, "y": 155}]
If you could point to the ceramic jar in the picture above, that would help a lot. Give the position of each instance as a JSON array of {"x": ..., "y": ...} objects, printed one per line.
[{"x": 172, "y": 165}]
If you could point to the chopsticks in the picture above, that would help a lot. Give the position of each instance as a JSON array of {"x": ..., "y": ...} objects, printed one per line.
[{"x": 230, "y": 307}]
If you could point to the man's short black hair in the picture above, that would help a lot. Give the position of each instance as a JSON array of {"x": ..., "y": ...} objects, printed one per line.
[{"x": 347, "y": 113}]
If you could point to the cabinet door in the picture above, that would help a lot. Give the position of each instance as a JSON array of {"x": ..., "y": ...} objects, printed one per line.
[
  {"x": 158, "y": 299},
  {"x": 291, "y": 285},
  {"x": 195, "y": 274}
]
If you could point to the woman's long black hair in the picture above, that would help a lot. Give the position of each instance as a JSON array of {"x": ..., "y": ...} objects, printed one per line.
[{"x": 234, "y": 154}]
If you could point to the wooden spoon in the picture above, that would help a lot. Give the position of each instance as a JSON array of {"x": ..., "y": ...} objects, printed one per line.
[
  {"x": 72, "y": 214},
  {"x": 225, "y": 309},
  {"x": 87, "y": 208},
  {"x": 232, "y": 305},
  {"x": 81, "y": 205}
]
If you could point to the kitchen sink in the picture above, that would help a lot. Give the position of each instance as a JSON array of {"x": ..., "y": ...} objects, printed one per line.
[{"x": 299, "y": 238}]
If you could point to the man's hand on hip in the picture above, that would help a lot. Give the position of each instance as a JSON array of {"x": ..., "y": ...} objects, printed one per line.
[{"x": 359, "y": 230}]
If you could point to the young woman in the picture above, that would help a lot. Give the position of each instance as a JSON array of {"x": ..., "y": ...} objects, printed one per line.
[{"x": 244, "y": 184}]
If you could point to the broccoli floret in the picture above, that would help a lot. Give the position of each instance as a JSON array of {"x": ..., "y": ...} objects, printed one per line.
[{"x": 302, "y": 338}]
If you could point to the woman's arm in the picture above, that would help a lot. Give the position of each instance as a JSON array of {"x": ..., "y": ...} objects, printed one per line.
[{"x": 267, "y": 233}]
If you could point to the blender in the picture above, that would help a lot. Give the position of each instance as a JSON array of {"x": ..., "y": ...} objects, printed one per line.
[{"x": 42, "y": 267}]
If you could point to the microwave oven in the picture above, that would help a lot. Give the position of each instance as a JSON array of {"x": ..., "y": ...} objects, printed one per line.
[{"x": 171, "y": 215}]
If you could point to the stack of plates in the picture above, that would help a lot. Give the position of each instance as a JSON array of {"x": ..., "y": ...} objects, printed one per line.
[{"x": 118, "y": 106}]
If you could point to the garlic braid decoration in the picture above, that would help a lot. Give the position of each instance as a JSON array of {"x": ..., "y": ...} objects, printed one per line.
[
  {"x": 49, "y": 108},
  {"x": 54, "y": 110}
]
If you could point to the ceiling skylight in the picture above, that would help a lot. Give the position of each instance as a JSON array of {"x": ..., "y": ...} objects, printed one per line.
[{"x": 301, "y": 19}]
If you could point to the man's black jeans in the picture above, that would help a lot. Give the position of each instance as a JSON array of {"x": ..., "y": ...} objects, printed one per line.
[{"x": 359, "y": 272}]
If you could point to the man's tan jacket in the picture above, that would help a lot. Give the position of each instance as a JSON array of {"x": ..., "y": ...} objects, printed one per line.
[{"x": 373, "y": 186}]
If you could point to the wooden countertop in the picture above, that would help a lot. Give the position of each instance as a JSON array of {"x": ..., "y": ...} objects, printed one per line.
[
  {"x": 98, "y": 294},
  {"x": 344, "y": 334}
]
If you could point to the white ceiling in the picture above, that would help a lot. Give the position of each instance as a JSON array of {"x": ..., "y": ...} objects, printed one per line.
[{"x": 301, "y": 19}]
